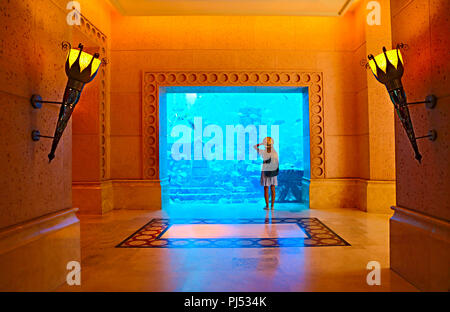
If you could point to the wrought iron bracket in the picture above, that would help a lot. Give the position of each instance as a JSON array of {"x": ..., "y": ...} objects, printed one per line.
[
  {"x": 36, "y": 135},
  {"x": 65, "y": 45},
  {"x": 430, "y": 101},
  {"x": 432, "y": 136},
  {"x": 36, "y": 101},
  {"x": 402, "y": 45},
  {"x": 364, "y": 63}
]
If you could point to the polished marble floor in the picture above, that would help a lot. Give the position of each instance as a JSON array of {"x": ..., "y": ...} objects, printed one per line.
[{"x": 329, "y": 268}]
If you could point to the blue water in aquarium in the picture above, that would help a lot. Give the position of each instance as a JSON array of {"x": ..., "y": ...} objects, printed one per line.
[{"x": 233, "y": 174}]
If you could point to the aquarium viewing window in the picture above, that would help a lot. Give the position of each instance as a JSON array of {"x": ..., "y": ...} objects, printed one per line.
[{"x": 207, "y": 136}]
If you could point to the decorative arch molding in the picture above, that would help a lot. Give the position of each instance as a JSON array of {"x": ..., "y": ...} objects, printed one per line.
[
  {"x": 150, "y": 106},
  {"x": 101, "y": 40},
  {"x": 94, "y": 195}
]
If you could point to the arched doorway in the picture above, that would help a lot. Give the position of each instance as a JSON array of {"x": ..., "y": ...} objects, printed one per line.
[{"x": 152, "y": 113}]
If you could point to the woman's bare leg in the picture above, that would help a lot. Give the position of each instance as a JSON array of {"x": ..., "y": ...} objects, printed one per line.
[
  {"x": 272, "y": 188},
  {"x": 266, "y": 195}
]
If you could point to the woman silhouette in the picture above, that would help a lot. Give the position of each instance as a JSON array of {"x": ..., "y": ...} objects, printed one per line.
[{"x": 269, "y": 171}]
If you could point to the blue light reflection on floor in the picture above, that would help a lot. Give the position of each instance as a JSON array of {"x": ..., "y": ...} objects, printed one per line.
[{"x": 150, "y": 235}]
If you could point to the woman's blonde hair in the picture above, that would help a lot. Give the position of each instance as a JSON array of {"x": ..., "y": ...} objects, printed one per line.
[{"x": 268, "y": 141}]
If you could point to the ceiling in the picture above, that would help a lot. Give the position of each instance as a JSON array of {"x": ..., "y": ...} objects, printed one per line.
[{"x": 232, "y": 7}]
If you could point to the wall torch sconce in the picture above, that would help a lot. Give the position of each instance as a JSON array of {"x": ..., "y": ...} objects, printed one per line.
[
  {"x": 81, "y": 68},
  {"x": 388, "y": 68}
]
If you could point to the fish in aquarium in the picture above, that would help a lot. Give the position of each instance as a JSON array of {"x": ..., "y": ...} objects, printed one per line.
[
  {"x": 233, "y": 180},
  {"x": 182, "y": 117}
]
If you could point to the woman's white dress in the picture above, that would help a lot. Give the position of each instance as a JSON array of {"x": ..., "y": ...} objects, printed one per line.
[{"x": 273, "y": 155}]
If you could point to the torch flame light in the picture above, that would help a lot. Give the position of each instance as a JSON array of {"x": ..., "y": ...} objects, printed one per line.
[
  {"x": 81, "y": 68},
  {"x": 388, "y": 68}
]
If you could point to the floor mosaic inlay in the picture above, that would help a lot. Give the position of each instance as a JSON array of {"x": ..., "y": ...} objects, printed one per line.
[{"x": 151, "y": 235}]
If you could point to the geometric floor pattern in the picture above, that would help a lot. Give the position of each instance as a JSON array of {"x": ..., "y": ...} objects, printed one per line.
[{"x": 151, "y": 235}]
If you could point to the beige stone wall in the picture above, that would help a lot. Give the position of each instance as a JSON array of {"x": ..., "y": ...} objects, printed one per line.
[
  {"x": 33, "y": 192},
  {"x": 32, "y": 62},
  {"x": 228, "y": 43},
  {"x": 333, "y": 46},
  {"x": 420, "y": 228},
  {"x": 374, "y": 116},
  {"x": 108, "y": 139}
]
